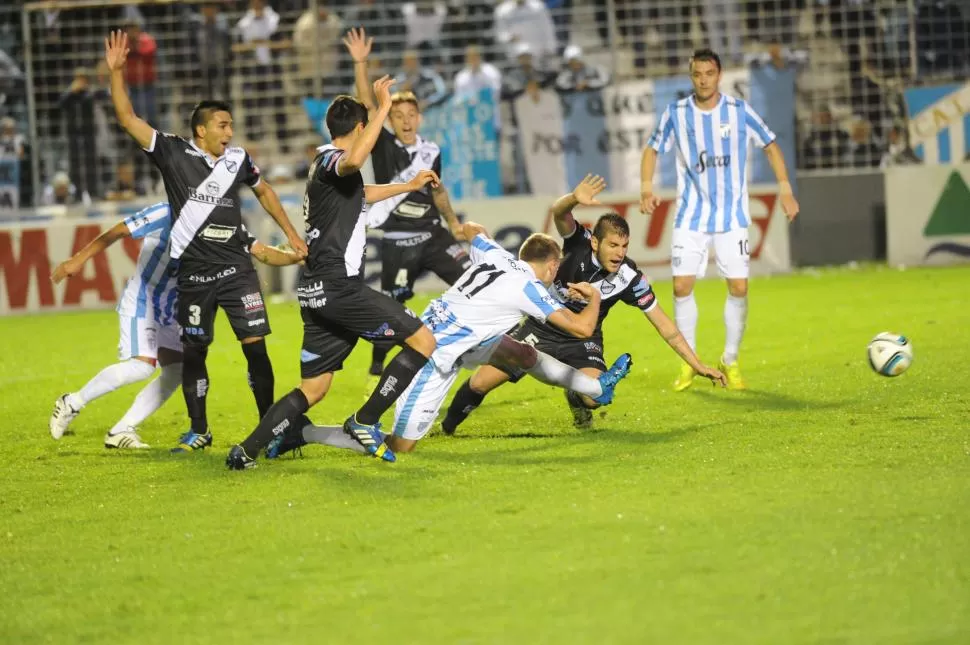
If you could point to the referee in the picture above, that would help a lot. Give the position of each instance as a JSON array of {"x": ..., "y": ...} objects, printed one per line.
[{"x": 208, "y": 241}]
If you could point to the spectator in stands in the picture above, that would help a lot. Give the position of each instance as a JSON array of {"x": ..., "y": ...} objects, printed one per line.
[
  {"x": 525, "y": 76},
  {"x": 479, "y": 76},
  {"x": 424, "y": 81},
  {"x": 11, "y": 79},
  {"x": 140, "y": 74},
  {"x": 78, "y": 106},
  {"x": 125, "y": 186},
  {"x": 578, "y": 75},
  {"x": 316, "y": 40},
  {"x": 469, "y": 22},
  {"x": 263, "y": 85},
  {"x": 862, "y": 151},
  {"x": 60, "y": 190},
  {"x": 11, "y": 141},
  {"x": 210, "y": 42},
  {"x": 826, "y": 144},
  {"x": 378, "y": 20},
  {"x": 526, "y": 22},
  {"x": 899, "y": 152},
  {"x": 309, "y": 155},
  {"x": 424, "y": 23}
]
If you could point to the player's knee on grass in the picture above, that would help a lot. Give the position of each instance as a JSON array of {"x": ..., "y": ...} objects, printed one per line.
[
  {"x": 737, "y": 287},
  {"x": 422, "y": 341}
]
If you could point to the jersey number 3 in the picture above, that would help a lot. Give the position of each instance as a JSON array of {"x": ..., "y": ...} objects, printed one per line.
[{"x": 482, "y": 276}]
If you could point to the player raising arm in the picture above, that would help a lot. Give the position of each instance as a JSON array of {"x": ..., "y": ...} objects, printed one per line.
[
  {"x": 146, "y": 316},
  {"x": 710, "y": 132}
]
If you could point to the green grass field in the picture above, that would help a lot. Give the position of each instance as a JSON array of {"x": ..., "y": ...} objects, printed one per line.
[{"x": 825, "y": 505}]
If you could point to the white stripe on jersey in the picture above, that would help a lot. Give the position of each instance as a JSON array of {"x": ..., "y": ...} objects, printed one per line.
[
  {"x": 712, "y": 150},
  {"x": 150, "y": 292}
]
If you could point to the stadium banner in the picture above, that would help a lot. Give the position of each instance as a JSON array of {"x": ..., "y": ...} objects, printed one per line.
[
  {"x": 9, "y": 183},
  {"x": 604, "y": 132},
  {"x": 939, "y": 122},
  {"x": 29, "y": 251},
  {"x": 928, "y": 214}
]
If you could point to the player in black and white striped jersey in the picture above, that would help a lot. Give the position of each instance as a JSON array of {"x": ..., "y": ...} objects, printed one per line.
[{"x": 202, "y": 178}]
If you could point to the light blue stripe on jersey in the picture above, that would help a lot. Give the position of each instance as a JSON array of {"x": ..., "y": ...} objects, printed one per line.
[
  {"x": 169, "y": 316},
  {"x": 157, "y": 225},
  {"x": 743, "y": 162},
  {"x": 707, "y": 123},
  {"x": 454, "y": 337},
  {"x": 134, "y": 337},
  {"x": 146, "y": 276},
  {"x": 151, "y": 224},
  {"x": 483, "y": 244},
  {"x": 693, "y": 179},
  {"x": 537, "y": 298},
  {"x": 726, "y": 145},
  {"x": 760, "y": 131},
  {"x": 401, "y": 423}
]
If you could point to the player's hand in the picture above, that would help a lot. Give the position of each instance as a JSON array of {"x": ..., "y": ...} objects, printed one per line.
[
  {"x": 716, "y": 377},
  {"x": 581, "y": 291},
  {"x": 358, "y": 44},
  {"x": 116, "y": 50},
  {"x": 586, "y": 191},
  {"x": 466, "y": 232},
  {"x": 64, "y": 270},
  {"x": 424, "y": 178},
  {"x": 298, "y": 245},
  {"x": 382, "y": 92},
  {"x": 648, "y": 202},
  {"x": 789, "y": 206}
]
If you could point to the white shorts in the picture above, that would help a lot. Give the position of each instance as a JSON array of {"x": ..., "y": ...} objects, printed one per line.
[
  {"x": 689, "y": 252},
  {"x": 418, "y": 406},
  {"x": 143, "y": 337}
]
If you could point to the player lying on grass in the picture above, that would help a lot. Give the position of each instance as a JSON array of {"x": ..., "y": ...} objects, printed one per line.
[
  {"x": 146, "y": 315},
  {"x": 469, "y": 322},
  {"x": 599, "y": 258}
]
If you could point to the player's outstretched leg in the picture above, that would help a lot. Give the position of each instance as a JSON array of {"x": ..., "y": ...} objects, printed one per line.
[
  {"x": 297, "y": 436},
  {"x": 111, "y": 378},
  {"x": 124, "y": 434}
]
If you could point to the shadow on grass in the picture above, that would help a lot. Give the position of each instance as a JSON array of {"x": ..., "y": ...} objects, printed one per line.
[{"x": 765, "y": 400}]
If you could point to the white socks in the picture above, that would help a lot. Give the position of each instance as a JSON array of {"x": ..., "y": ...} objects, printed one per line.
[
  {"x": 552, "y": 372},
  {"x": 735, "y": 318},
  {"x": 152, "y": 397},
  {"x": 110, "y": 379},
  {"x": 685, "y": 315},
  {"x": 333, "y": 436}
]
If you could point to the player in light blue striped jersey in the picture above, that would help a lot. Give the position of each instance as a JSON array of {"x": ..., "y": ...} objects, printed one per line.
[
  {"x": 710, "y": 132},
  {"x": 146, "y": 315}
]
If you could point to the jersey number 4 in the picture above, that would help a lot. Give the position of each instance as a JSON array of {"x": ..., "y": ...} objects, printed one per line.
[{"x": 482, "y": 276}]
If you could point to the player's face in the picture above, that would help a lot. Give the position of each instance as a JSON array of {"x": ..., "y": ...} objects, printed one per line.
[
  {"x": 611, "y": 250},
  {"x": 218, "y": 133},
  {"x": 405, "y": 120},
  {"x": 549, "y": 274},
  {"x": 705, "y": 76}
]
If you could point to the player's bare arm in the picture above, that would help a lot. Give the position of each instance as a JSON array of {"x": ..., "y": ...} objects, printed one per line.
[
  {"x": 116, "y": 55},
  {"x": 270, "y": 202},
  {"x": 97, "y": 245},
  {"x": 667, "y": 329},
  {"x": 443, "y": 203},
  {"x": 358, "y": 44},
  {"x": 583, "y": 324},
  {"x": 379, "y": 192},
  {"x": 777, "y": 161},
  {"x": 273, "y": 256},
  {"x": 648, "y": 164},
  {"x": 468, "y": 231},
  {"x": 583, "y": 194},
  {"x": 357, "y": 156}
]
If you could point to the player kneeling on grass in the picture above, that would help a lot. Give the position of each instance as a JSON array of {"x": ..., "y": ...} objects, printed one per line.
[
  {"x": 599, "y": 258},
  {"x": 149, "y": 332},
  {"x": 469, "y": 323}
]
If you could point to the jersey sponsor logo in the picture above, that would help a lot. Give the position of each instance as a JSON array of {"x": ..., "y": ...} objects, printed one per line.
[
  {"x": 592, "y": 347},
  {"x": 706, "y": 161},
  {"x": 646, "y": 299},
  {"x": 204, "y": 198},
  {"x": 456, "y": 252},
  {"x": 218, "y": 233},
  {"x": 412, "y": 241},
  {"x": 309, "y": 290},
  {"x": 204, "y": 279},
  {"x": 213, "y": 188},
  {"x": 258, "y": 321},
  {"x": 313, "y": 303},
  {"x": 384, "y": 330},
  {"x": 311, "y": 233},
  {"x": 193, "y": 331},
  {"x": 194, "y": 153},
  {"x": 253, "y": 302},
  {"x": 412, "y": 209},
  {"x": 388, "y": 386}
]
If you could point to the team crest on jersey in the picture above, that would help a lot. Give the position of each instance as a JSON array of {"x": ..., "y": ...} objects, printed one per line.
[
  {"x": 725, "y": 130},
  {"x": 231, "y": 165},
  {"x": 606, "y": 288}
]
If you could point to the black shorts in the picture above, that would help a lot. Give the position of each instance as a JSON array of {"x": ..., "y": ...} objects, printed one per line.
[
  {"x": 234, "y": 288},
  {"x": 337, "y": 312},
  {"x": 574, "y": 352},
  {"x": 403, "y": 261}
]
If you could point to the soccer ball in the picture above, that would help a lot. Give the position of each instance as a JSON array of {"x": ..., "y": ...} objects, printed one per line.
[{"x": 890, "y": 354}]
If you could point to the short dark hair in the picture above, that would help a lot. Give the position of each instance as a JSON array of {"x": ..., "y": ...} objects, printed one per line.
[
  {"x": 705, "y": 54},
  {"x": 204, "y": 110},
  {"x": 611, "y": 223},
  {"x": 344, "y": 114},
  {"x": 539, "y": 247},
  {"x": 405, "y": 97}
]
